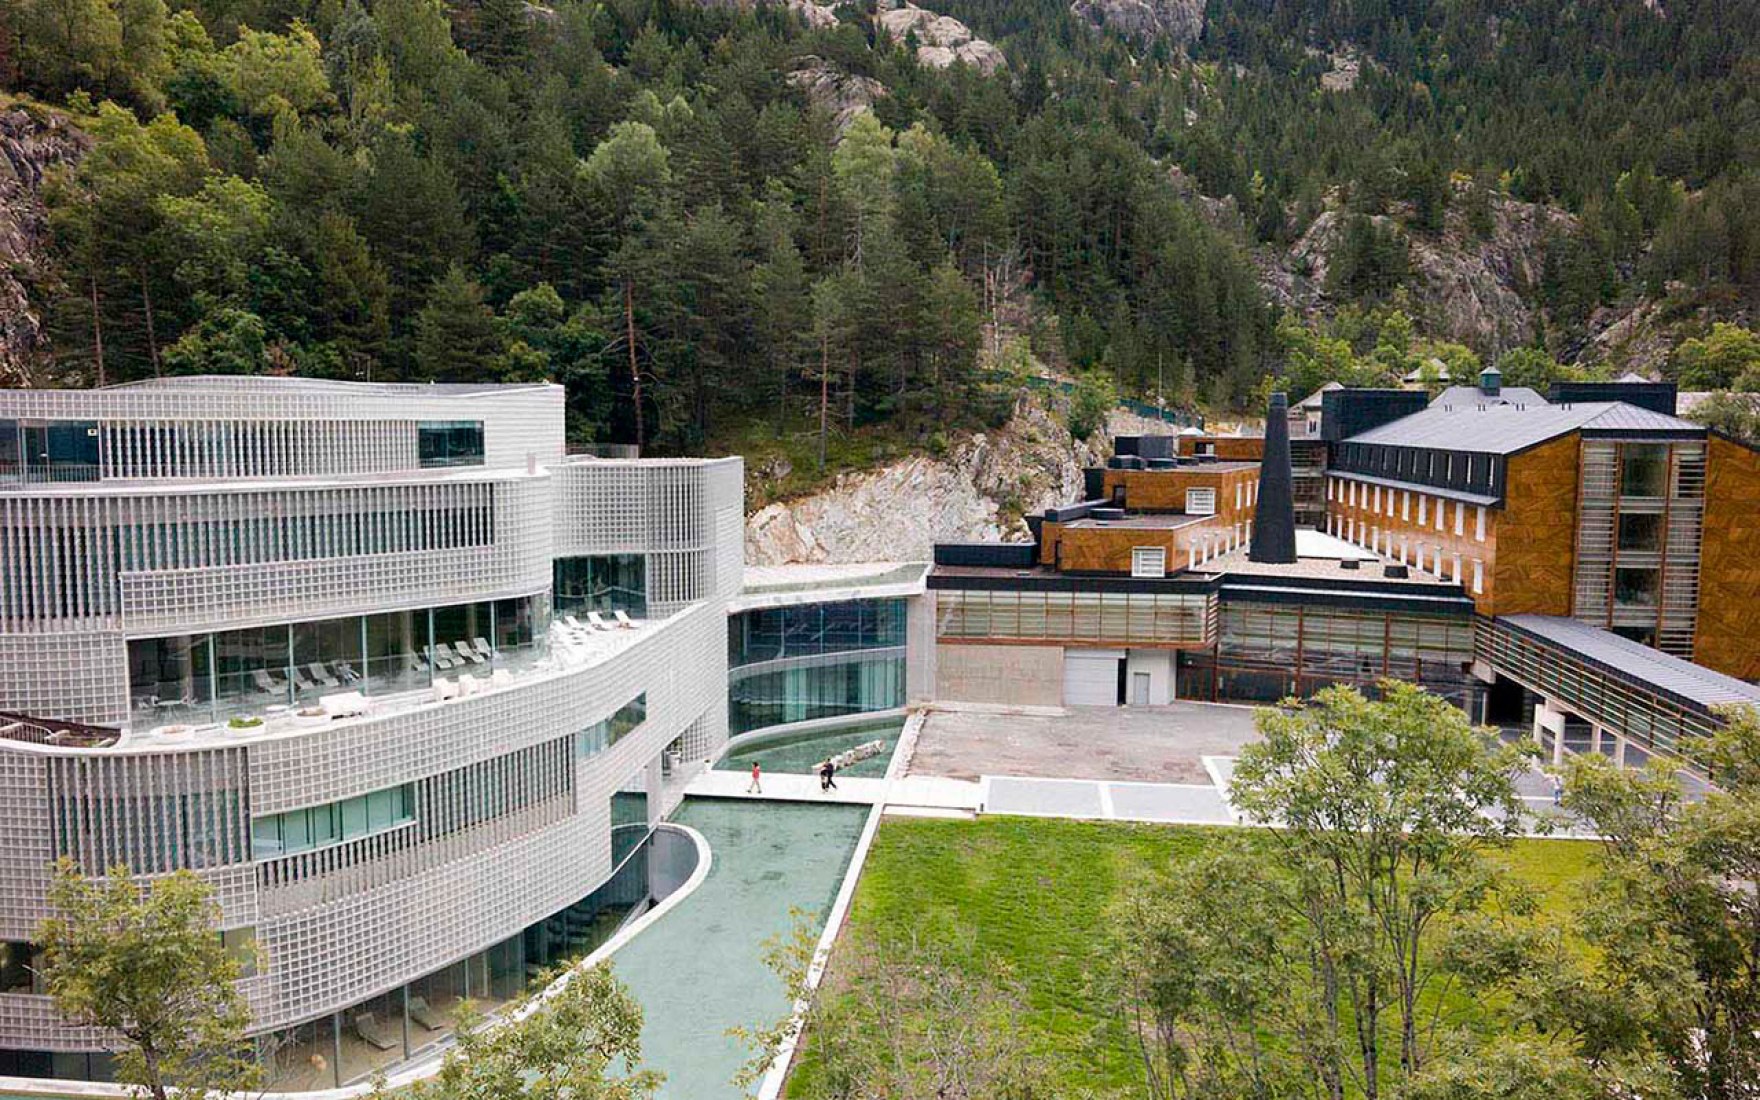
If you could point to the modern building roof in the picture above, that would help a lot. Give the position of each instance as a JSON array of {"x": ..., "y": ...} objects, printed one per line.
[
  {"x": 1473, "y": 395},
  {"x": 263, "y": 383},
  {"x": 1509, "y": 429},
  {"x": 1637, "y": 662},
  {"x": 789, "y": 585},
  {"x": 1315, "y": 399}
]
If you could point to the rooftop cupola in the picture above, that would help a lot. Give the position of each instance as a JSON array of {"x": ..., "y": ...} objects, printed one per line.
[{"x": 1491, "y": 381}]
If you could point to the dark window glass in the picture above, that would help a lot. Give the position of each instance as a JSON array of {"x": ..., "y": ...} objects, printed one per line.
[
  {"x": 1640, "y": 531},
  {"x": 450, "y": 442},
  {"x": 61, "y": 450},
  {"x": 609, "y": 582},
  {"x": 1636, "y": 587},
  {"x": 1644, "y": 470},
  {"x": 11, "y": 464}
]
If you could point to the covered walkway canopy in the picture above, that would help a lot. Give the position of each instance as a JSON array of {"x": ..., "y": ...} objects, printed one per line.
[{"x": 1653, "y": 699}]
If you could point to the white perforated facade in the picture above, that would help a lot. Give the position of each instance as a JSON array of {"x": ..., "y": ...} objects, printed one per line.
[{"x": 168, "y": 553}]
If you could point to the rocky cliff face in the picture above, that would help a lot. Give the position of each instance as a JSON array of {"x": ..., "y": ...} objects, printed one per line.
[
  {"x": 1470, "y": 289},
  {"x": 842, "y": 94},
  {"x": 1178, "y": 21},
  {"x": 31, "y": 143},
  {"x": 979, "y": 491},
  {"x": 941, "y": 39}
]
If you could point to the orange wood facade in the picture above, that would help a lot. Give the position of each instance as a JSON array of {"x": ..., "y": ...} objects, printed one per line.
[
  {"x": 1536, "y": 570},
  {"x": 1229, "y": 448},
  {"x": 1165, "y": 490},
  {"x": 1728, "y": 634},
  {"x": 1108, "y": 549}
]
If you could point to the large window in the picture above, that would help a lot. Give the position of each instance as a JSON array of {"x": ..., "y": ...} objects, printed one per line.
[
  {"x": 450, "y": 442},
  {"x": 52, "y": 450},
  {"x": 1268, "y": 651},
  {"x": 1636, "y": 587},
  {"x": 815, "y": 629},
  {"x": 608, "y": 582},
  {"x": 1644, "y": 470},
  {"x": 1640, "y": 532},
  {"x": 331, "y": 823},
  {"x": 1073, "y": 616},
  {"x": 855, "y": 686},
  {"x": 213, "y": 677},
  {"x": 608, "y": 731}
]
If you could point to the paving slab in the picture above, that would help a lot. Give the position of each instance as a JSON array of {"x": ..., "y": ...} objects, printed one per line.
[
  {"x": 1169, "y": 802},
  {"x": 1044, "y": 797}
]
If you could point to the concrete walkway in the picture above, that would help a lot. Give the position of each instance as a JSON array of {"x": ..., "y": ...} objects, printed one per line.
[{"x": 916, "y": 795}]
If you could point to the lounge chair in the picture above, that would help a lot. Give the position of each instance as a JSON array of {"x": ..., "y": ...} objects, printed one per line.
[
  {"x": 300, "y": 681},
  {"x": 366, "y": 1025},
  {"x": 598, "y": 621},
  {"x": 422, "y": 1014},
  {"x": 345, "y": 672},
  {"x": 572, "y": 623},
  {"x": 624, "y": 620},
  {"x": 414, "y": 663},
  {"x": 268, "y": 683},
  {"x": 443, "y": 660},
  {"x": 483, "y": 648},
  {"x": 467, "y": 653},
  {"x": 322, "y": 675}
]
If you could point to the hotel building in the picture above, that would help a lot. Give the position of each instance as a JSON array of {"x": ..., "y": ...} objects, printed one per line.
[
  {"x": 404, "y": 682},
  {"x": 1581, "y": 568}
]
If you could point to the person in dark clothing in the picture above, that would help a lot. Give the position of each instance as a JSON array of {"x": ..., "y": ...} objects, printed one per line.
[{"x": 826, "y": 771}]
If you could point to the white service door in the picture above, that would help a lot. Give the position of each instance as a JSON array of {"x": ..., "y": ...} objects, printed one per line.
[{"x": 1090, "y": 677}]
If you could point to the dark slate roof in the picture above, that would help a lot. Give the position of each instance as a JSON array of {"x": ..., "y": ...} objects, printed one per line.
[
  {"x": 1473, "y": 395},
  {"x": 1507, "y": 429},
  {"x": 1417, "y": 487},
  {"x": 1637, "y": 662}
]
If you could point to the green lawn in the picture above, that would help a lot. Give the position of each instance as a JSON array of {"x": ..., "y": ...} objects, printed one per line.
[{"x": 1033, "y": 895}]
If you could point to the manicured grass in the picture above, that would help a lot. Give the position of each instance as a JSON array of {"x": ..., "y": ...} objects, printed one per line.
[{"x": 1033, "y": 897}]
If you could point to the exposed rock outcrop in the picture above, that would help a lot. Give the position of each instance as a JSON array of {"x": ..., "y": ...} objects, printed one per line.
[
  {"x": 1178, "y": 21},
  {"x": 31, "y": 143},
  {"x": 981, "y": 490},
  {"x": 1468, "y": 288},
  {"x": 844, "y": 95},
  {"x": 941, "y": 40}
]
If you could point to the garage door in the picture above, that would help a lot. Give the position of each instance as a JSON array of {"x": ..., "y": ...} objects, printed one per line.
[{"x": 1090, "y": 677}]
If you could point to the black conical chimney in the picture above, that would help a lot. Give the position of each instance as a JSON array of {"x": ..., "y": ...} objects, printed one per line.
[{"x": 1274, "y": 521}]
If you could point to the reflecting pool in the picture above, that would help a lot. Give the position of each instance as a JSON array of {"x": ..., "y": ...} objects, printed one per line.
[
  {"x": 699, "y": 970},
  {"x": 801, "y": 753}
]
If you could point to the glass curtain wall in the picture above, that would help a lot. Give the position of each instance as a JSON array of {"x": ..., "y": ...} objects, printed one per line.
[
  {"x": 195, "y": 678},
  {"x": 1266, "y": 652},
  {"x": 608, "y": 582},
  {"x": 812, "y": 630},
  {"x": 776, "y": 697}
]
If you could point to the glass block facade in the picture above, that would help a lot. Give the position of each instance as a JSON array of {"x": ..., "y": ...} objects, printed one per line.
[{"x": 314, "y": 623}]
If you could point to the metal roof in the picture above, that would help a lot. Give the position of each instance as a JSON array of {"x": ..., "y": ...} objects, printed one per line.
[
  {"x": 1473, "y": 395},
  {"x": 1418, "y": 487},
  {"x": 1507, "y": 429},
  {"x": 1637, "y": 662}
]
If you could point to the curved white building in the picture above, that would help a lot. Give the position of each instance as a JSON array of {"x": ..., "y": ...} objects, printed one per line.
[{"x": 331, "y": 646}]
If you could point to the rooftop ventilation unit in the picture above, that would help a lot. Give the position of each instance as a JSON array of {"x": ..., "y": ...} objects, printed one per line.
[
  {"x": 1396, "y": 572},
  {"x": 1107, "y": 513},
  {"x": 1348, "y": 563}
]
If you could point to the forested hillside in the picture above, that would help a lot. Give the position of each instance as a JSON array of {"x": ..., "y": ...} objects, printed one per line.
[{"x": 687, "y": 213}]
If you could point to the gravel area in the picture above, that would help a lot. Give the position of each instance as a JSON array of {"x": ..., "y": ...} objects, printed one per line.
[{"x": 1149, "y": 744}]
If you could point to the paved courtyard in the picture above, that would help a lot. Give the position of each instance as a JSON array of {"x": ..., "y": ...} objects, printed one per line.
[{"x": 1143, "y": 744}]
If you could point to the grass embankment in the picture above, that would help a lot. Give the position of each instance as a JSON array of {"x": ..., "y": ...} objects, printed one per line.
[{"x": 1031, "y": 898}]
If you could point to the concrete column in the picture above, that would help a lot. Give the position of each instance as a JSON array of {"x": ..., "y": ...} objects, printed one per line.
[
  {"x": 1595, "y": 738},
  {"x": 1619, "y": 750}
]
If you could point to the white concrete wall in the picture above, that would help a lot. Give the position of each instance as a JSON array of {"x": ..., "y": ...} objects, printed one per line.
[{"x": 1019, "y": 675}]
